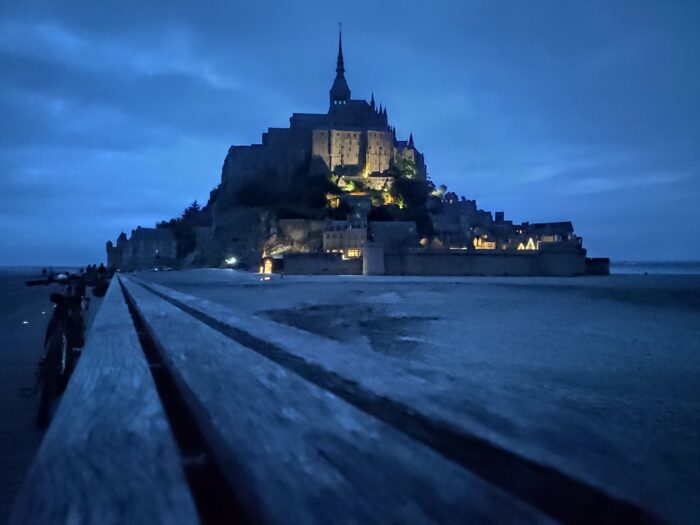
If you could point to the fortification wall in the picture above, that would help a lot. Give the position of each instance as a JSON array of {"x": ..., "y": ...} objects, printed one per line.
[
  {"x": 446, "y": 263},
  {"x": 563, "y": 263},
  {"x": 281, "y": 152},
  {"x": 321, "y": 264},
  {"x": 598, "y": 266},
  {"x": 462, "y": 263}
]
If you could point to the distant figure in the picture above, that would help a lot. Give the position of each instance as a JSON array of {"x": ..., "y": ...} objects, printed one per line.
[{"x": 44, "y": 272}]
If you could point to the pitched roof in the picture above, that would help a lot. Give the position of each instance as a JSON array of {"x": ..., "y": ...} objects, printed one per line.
[{"x": 152, "y": 234}]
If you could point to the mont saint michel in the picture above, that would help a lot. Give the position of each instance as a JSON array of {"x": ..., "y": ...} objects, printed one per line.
[
  {"x": 399, "y": 270},
  {"x": 340, "y": 193}
]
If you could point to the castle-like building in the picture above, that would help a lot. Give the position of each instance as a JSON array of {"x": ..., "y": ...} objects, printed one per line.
[
  {"x": 354, "y": 150},
  {"x": 353, "y": 139},
  {"x": 146, "y": 248}
]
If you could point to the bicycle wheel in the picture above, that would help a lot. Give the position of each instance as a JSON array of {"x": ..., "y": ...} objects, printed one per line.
[{"x": 51, "y": 377}]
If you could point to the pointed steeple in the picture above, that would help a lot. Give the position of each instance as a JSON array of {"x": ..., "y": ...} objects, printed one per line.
[
  {"x": 340, "y": 91},
  {"x": 410, "y": 141},
  {"x": 371, "y": 102},
  {"x": 340, "y": 67}
]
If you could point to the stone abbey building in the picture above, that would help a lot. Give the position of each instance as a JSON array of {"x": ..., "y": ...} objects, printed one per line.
[{"x": 353, "y": 139}]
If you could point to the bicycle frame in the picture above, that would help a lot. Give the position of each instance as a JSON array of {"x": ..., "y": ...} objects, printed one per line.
[{"x": 63, "y": 339}]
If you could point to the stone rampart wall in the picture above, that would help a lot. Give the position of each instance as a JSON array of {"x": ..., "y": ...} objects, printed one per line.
[
  {"x": 321, "y": 264},
  {"x": 461, "y": 263}
]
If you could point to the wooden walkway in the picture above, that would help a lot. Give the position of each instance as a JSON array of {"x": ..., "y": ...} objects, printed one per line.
[{"x": 182, "y": 412}]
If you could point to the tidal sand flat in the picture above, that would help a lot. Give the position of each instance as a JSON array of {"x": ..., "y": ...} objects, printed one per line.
[{"x": 595, "y": 376}]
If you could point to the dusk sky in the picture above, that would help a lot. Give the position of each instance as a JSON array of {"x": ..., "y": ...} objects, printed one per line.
[{"x": 119, "y": 116}]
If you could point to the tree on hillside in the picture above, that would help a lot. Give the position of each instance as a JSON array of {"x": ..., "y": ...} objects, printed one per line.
[
  {"x": 407, "y": 168},
  {"x": 413, "y": 196},
  {"x": 183, "y": 227}
]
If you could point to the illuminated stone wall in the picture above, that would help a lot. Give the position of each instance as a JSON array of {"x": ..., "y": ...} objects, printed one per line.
[
  {"x": 380, "y": 151},
  {"x": 369, "y": 150},
  {"x": 345, "y": 148}
]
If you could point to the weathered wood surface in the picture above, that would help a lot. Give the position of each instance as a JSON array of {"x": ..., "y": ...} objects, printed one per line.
[
  {"x": 461, "y": 430},
  {"x": 108, "y": 456},
  {"x": 296, "y": 453}
]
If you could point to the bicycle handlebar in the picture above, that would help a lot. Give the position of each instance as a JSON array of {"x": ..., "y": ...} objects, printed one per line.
[{"x": 71, "y": 279}]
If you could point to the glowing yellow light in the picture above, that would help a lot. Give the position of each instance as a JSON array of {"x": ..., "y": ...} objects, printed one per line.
[
  {"x": 521, "y": 246},
  {"x": 530, "y": 244},
  {"x": 267, "y": 266},
  {"x": 483, "y": 244},
  {"x": 333, "y": 200}
]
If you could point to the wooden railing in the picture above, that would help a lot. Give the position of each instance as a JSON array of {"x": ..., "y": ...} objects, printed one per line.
[{"x": 182, "y": 411}]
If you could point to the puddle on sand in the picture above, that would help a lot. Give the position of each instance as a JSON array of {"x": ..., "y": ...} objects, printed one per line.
[{"x": 392, "y": 335}]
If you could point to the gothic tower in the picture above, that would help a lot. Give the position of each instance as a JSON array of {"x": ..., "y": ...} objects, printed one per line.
[{"x": 340, "y": 92}]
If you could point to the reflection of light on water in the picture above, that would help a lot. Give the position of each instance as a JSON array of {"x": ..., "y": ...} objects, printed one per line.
[
  {"x": 265, "y": 278},
  {"x": 25, "y": 322}
]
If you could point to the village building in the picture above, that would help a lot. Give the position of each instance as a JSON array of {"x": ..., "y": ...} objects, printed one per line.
[{"x": 146, "y": 248}]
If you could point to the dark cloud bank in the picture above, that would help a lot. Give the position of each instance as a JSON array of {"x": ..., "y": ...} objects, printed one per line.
[{"x": 114, "y": 116}]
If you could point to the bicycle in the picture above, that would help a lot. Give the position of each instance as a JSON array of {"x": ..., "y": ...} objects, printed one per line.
[{"x": 63, "y": 341}]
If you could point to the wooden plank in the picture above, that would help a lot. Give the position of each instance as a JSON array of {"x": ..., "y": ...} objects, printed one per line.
[
  {"x": 457, "y": 430},
  {"x": 296, "y": 453},
  {"x": 108, "y": 456}
]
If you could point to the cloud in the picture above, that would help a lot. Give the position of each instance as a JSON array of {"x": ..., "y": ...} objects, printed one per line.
[
  {"x": 601, "y": 184},
  {"x": 123, "y": 112}
]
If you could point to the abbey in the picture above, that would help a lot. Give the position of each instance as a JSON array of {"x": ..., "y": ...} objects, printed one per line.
[
  {"x": 353, "y": 139},
  {"x": 339, "y": 193}
]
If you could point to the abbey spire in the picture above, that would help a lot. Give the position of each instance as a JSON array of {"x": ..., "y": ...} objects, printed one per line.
[
  {"x": 340, "y": 65},
  {"x": 340, "y": 91}
]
